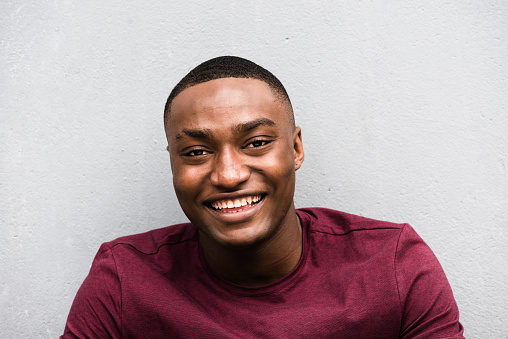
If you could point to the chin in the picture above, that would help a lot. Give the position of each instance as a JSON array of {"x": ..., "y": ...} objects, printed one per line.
[{"x": 243, "y": 238}]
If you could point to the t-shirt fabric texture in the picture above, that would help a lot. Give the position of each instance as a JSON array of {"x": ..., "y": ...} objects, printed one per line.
[{"x": 357, "y": 278}]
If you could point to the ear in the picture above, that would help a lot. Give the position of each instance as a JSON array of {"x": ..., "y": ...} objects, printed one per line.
[
  {"x": 298, "y": 147},
  {"x": 170, "y": 158}
]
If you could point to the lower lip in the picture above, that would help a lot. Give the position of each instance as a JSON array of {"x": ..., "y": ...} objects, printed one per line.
[{"x": 242, "y": 214}]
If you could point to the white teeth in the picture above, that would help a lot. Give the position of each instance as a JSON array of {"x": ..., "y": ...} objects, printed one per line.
[{"x": 221, "y": 204}]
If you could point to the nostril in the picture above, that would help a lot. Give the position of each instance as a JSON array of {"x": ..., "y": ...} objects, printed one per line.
[{"x": 229, "y": 176}]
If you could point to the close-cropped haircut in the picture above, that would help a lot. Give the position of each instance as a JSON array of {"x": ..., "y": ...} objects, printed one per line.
[{"x": 226, "y": 67}]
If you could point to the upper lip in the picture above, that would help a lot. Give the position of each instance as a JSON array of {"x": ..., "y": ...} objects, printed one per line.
[{"x": 232, "y": 196}]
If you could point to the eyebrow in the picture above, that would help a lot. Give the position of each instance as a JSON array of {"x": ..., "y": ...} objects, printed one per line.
[
  {"x": 194, "y": 133},
  {"x": 206, "y": 133},
  {"x": 250, "y": 125}
]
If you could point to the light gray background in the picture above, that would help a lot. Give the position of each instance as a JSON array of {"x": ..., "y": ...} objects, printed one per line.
[{"x": 403, "y": 106}]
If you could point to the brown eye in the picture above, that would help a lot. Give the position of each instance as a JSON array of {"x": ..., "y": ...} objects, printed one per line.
[
  {"x": 258, "y": 143},
  {"x": 196, "y": 153}
]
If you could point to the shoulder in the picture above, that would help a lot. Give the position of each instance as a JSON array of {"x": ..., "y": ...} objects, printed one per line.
[
  {"x": 340, "y": 223},
  {"x": 390, "y": 255},
  {"x": 151, "y": 241}
]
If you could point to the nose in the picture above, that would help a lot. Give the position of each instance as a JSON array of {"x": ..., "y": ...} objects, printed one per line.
[{"x": 229, "y": 170}]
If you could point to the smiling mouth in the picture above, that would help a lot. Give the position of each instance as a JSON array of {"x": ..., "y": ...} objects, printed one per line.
[{"x": 235, "y": 205}]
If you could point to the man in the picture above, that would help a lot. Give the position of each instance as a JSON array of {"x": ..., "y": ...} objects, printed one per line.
[{"x": 249, "y": 265}]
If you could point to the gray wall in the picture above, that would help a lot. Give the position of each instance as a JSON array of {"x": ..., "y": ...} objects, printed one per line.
[{"x": 403, "y": 108}]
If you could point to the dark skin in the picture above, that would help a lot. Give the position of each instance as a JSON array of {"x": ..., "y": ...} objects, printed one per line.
[{"x": 234, "y": 151}]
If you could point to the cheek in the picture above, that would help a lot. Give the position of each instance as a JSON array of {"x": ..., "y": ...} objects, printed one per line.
[
  {"x": 280, "y": 167},
  {"x": 187, "y": 180}
]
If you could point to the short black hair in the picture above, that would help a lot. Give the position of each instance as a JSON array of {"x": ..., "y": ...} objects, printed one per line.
[{"x": 226, "y": 67}]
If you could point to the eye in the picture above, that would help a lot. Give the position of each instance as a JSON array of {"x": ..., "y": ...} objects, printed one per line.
[
  {"x": 258, "y": 143},
  {"x": 196, "y": 153}
]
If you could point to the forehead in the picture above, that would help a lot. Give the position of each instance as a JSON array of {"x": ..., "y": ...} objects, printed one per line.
[{"x": 227, "y": 101}]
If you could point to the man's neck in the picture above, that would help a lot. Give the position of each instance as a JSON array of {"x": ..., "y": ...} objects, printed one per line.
[{"x": 261, "y": 264}]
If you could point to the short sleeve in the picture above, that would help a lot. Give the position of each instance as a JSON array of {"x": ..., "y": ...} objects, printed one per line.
[
  {"x": 428, "y": 307},
  {"x": 95, "y": 312}
]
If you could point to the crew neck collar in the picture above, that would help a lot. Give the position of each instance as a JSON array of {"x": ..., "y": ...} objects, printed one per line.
[{"x": 283, "y": 282}]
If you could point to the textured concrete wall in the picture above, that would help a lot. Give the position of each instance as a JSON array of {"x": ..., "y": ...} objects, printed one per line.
[{"x": 403, "y": 107}]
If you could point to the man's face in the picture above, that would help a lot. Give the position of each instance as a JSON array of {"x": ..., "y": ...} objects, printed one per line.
[{"x": 234, "y": 151}]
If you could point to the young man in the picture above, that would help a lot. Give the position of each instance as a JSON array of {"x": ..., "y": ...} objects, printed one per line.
[{"x": 249, "y": 265}]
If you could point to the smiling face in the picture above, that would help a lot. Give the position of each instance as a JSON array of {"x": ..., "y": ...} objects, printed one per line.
[{"x": 234, "y": 151}]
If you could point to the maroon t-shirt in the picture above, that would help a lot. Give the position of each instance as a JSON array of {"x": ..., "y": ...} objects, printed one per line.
[{"x": 357, "y": 278}]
